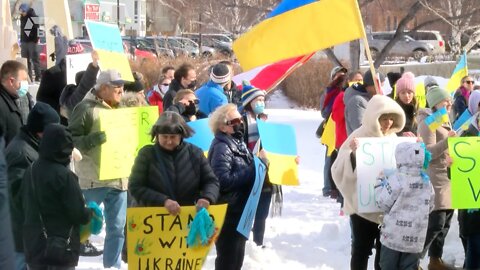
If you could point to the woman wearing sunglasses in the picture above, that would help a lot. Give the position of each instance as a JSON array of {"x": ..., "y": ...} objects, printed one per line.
[
  {"x": 186, "y": 104},
  {"x": 233, "y": 164},
  {"x": 461, "y": 96}
]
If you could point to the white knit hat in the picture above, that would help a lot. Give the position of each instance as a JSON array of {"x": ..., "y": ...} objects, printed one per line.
[{"x": 220, "y": 74}]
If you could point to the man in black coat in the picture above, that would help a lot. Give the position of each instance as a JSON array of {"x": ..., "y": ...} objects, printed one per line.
[
  {"x": 53, "y": 81},
  {"x": 52, "y": 199},
  {"x": 29, "y": 39},
  {"x": 13, "y": 80},
  {"x": 185, "y": 77},
  {"x": 20, "y": 154}
]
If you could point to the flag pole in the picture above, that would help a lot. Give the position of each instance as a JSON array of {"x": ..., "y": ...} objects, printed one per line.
[
  {"x": 370, "y": 63},
  {"x": 290, "y": 71}
]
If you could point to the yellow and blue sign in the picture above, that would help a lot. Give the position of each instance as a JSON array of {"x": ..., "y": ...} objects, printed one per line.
[{"x": 203, "y": 136}]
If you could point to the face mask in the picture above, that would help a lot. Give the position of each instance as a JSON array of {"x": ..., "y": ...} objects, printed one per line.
[
  {"x": 192, "y": 85},
  {"x": 238, "y": 131},
  {"x": 22, "y": 91},
  {"x": 163, "y": 89},
  {"x": 259, "y": 107}
]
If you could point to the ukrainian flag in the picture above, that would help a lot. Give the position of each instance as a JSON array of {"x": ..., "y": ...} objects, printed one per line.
[
  {"x": 438, "y": 118},
  {"x": 463, "y": 121},
  {"x": 203, "y": 136},
  {"x": 328, "y": 136},
  {"x": 299, "y": 27},
  {"x": 460, "y": 71},
  {"x": 279, "y": 141}
]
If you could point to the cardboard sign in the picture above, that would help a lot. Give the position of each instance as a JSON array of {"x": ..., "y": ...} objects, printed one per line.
[{"x": 76, "y": 63}]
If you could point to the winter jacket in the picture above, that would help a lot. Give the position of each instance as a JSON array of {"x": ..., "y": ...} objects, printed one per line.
[
  {"x": 83, "y": 122},
  {"x": 211, "y": 96},
  {"x": 355, "y": 99},
  {"x": 53, "y": 81},
  {"x": 31, "y": 22},
  {"x": 57, "y": 198},
  {"x": 460, "y": 102},
  {"x": 180, "y": 109},
  {"x": 10, "y": 115},
  {"x": 344, "y": 171},
  {"x": 73, "y": 94},
  {"x": 233, "y": 164},
  {"x": 326, "y": 102},
  {"x": 7, "y": 256},
  {"x": 338, "y": 116},
  {"x": 410, "y": 115},
  {"x": 61, "y": 44},
  {"x": 155, "y": 98},
  {"x": 234, "y": 95},
  {"x": 20, "y": 154},
  {"x": 407, "y": 200},
  {"x": 174, "y": 87},
  {"x": 182, "y": 175},
  {"x": 437, "y": 144}
]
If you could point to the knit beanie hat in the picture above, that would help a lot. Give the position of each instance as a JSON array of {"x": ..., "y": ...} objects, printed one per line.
[
  {"x": 406, "y": 83},
  {"x": 250, "y": 92},
  {"x": 435, "y": 95},
  {"x": 220, "y": 74},
  {"x": 41, "y": 115},
  {"x": 429, "y": 82},
  {"x": 368, "y": 78},
  {"x": 474, "y": 101}
]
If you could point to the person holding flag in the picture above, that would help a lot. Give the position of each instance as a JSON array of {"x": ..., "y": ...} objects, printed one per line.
[
  {"x": 461, "y": 96},
  {"x": 436, "y": 140}
]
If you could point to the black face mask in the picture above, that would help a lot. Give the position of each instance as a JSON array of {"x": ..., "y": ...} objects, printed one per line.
[
  {"x": 192, "y": 85},
  {"x": 190, "y": 109},
  {"x": 238, "y": 131}
]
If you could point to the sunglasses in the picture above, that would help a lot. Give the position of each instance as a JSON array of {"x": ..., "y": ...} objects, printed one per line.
[
  {"x": 195, "y": 101},
  {"x": 165, "y": 84},
  {"x": 235, "y": 121},
  {"x": 469, "y": 82}
]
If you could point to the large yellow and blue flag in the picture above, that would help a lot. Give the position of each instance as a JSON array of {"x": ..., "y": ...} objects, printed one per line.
[
  {"x": 437, "y": 119},
  {"x": 328, "y": 136},
  {"x": 460, "y": 71},
  {"x": 299, "y": 27}
]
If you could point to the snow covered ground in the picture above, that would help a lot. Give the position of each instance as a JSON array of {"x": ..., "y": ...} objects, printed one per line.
[{"x": 310, "y": 234}]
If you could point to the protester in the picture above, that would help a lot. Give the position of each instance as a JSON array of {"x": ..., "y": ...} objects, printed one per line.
[
  {"x": 436, "y": 142},
  {"x": 356, "y": 98},
  {"x": 185, "y": 77},
  {"x": 72, "y": 94},
  {"x": 52, "y": 204},
  {"x": 60, "y": 42},
  {"x": 172, "y": 172},
  {"x": 233, "y": 164},
  {"x": 474, "y": 102},
  {"x": 134, "y": 92},
  {"x": 338, "y": 76},
  {"x": 397, "y": 193},
  {"x": 7, "y": 247},
  {"x": 20, "y": 154},
  {"x": 84, "y": 124},
  {"x": 51, "y": 86},
  {"x": 461, "y": 96},
  {"x": 29, "y": 39},
  {"x": 211, "y": 94},
  {"x": 234, "y": 95},
  {"x": 393, "y": 77},
  {"x": 405, "y": 88},
  {"x": 13, "y": 85},
  {"x": 186, "y": 105},
  {"x": 382, "y": 117},
  {"x": 168, "y": 72},
  {"x": 155, "y": 96}
]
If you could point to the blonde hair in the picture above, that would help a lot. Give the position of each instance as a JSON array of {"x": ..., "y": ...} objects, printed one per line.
[
  {"x": 132, "y": 99},
  {"x": 181, "y": 94},
  {"x": 219, "y": 116}
]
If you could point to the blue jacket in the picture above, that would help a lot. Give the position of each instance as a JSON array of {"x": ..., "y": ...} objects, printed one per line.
[
  {"x": 211, "y": 96},
  {"x": 233, "y": 164}
]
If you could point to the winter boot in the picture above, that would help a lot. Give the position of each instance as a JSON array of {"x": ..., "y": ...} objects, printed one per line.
[{"x": 438, "y": 264}]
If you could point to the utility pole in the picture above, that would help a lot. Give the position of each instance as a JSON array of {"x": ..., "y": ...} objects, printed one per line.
[{"x": 118, "y": 13}]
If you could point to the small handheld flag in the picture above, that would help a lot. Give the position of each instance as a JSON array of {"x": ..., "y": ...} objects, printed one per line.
[
  {"x": 463, "y": 122},
  {"x": 438, "y": 118}
]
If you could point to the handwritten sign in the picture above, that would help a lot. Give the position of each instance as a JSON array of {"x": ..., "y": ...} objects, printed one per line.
[
  {"x": 157, "y": 240},
  {"x": 107, "y": 41},
  {"x": 465, "y": 171},
  {"x": 373, "y": 156},
  {"x": 246, "y": 220},
  {"x": 76, "y": 63},
  {"x": 127, "y": 131}
]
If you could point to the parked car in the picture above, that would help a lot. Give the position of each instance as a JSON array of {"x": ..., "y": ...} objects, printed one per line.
[
  {"x": 158, "y": 50},
  {"x": 221, "y": 43},
  {"x": 406, "y": 46},
  {"x": 431, "y": 37},
  {"x": 133, "y": 48}
]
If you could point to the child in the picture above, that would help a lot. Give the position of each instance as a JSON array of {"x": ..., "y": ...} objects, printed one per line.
[{"x": 407, "y": 197}]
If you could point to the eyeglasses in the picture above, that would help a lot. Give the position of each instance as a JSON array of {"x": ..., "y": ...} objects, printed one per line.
[
  {"x": 234, "y": 121},
  {"x": 469, "y": 82}
]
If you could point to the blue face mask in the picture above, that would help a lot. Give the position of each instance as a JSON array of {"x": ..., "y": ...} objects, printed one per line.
[
  {"x": 22, "y": 91},
  {"x": 259, "y": 107}
]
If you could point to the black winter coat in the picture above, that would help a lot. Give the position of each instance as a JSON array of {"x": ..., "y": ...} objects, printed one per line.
[
  {"x": 410, "y": 115},
  {"x": 20, "y": 154},
  {"x": 57, "y": 198},
  {"x": 53, "y": 81},
  {"x": 233, "y": 164},
  {"x": 32, "y": 29},
  {"x": 174, "y": 87},
  {"x": 182, "y": 175},
  {"x": 6, "y": 242},
  {"x": 10, "y": 115}
]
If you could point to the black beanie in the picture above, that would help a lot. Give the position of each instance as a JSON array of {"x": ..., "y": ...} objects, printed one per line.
[
  {"x": 393, "y": 77},
  {"x": 41, "y": 115}
]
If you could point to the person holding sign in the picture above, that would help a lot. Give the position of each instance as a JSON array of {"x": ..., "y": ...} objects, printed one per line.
[
  {"x": 233, "y": 164},
  {"x": 87, "y": 137},
  {"x": 436, "y": 142},
  {"x": 382, "y": 117},
  {"x": 172, "y": 172}
]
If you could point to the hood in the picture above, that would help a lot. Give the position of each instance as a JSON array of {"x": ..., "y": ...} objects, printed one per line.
[
  {"x": 410, "y": 155},
  {"x": 474, "y": 101},
  {"x": 56, "y": 144},
  {"x": 356, "y": 89},
  {"x": 379, "y": 105},
  {"x": 423, "y": 113}
]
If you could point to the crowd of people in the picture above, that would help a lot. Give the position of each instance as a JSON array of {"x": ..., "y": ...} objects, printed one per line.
[{"x": 416, "y": 198}]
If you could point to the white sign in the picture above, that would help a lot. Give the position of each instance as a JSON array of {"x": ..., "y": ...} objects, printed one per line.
[
  {"x": 76, "y": 63},
  {"x": 373, "y": 156}
]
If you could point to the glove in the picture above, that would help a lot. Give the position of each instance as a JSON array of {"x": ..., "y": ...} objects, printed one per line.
[
  {"x": 97, "y": 138},
  {"x": 190, "y": 109}
]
